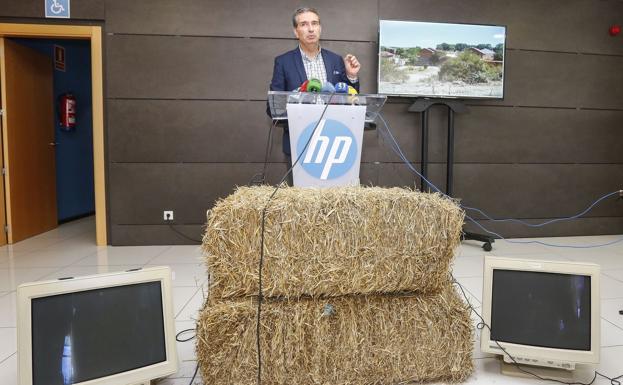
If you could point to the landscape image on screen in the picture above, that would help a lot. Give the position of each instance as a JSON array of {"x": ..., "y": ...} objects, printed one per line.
[{"x": 441, "y": 59}]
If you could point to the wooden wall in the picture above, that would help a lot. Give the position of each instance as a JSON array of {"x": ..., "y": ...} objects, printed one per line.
[{"x": 185, "y": 104}]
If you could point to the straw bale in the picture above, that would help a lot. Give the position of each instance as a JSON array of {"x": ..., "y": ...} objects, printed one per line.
[
  {"x": 325, "y": 242},
  {"x": 372, "y": 339}
]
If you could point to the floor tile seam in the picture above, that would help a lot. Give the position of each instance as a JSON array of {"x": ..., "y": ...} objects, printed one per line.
[
  {"x": 158, "y": 254},
  {"x": 186, "y": 304},
  {"x": 7, "y": 358},
  {"x": 606, "y": 274},
  {"x": 57, "y": 241},
  {"x": 75, "y": 263},
  {"x": 612, "y": 323}
]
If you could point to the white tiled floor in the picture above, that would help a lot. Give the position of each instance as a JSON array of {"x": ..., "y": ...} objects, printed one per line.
[{"x": 70, "y": 251}]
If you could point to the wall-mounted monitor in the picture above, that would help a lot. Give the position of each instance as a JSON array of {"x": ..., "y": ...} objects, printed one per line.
[
  {"x": 441, "y": 60},
  {"x": 542, "y": 313},
  {"x": 106, "y": 329}
]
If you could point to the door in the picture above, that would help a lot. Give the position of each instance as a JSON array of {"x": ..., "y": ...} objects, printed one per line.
[{"x": 28, "y": 138}]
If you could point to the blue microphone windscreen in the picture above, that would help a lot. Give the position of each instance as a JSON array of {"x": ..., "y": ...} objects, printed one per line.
[
  {"x": 341, "y": 88},
  {"x": 328, "y": 87}
]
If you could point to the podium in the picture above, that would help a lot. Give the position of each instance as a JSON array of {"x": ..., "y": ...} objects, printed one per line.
[{"x": 326, "y": 134}]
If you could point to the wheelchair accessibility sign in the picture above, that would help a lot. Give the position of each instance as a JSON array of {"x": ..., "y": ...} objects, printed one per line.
[{"x": 57, "y": 8}]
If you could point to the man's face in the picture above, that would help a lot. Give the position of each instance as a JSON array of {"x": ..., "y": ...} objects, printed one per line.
[{"x": 307, "y": 28}]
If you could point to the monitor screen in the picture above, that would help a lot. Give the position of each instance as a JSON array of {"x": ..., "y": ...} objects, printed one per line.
[
  {"x": 441, "y": 59},
  {"x": 542, "y": 309},
  {"x": 85, "y": 335}
]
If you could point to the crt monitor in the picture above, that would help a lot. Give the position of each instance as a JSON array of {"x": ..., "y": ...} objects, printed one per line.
[
  {"x": 543, "y": 313},
  {"x": 114, "y": 328}
]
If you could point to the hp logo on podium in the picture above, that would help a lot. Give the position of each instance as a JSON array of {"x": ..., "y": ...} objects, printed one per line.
[{"x": 331, "y": 152}]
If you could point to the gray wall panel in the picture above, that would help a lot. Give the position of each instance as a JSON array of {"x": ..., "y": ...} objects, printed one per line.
[
  {"x": 205, "y": 67},
  {"x": 243, "y": 18},
  {"x": 568, "y": 26},
  {"x": 189, "y": 131},
  {"x": 600, "y": 79},
  {"x": 131, "y": 235},
  {"x": 592, "y": 31},
  {"x": 541, "y": 79},
  {"x": 539, "y": 190},
  {"x": 183, "y": 67},
  {"x": 536, "y": 135},
  {"x": 141, "y": 191}
]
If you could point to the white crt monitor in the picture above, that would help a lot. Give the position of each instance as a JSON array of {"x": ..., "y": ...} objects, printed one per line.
[
  {"x": 106, "y": 329},
  {"x": 543, "y": 313}
]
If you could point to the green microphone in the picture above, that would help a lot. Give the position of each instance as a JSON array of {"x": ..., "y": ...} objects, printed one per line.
[{"x": 314, "y": 85}]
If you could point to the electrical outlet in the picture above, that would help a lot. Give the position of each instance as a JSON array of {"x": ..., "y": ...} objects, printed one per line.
[{"x": 168, "y": 215}]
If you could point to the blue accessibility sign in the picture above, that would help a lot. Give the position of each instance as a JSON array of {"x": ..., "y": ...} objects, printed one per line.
[{"x": 57, "y": 8}]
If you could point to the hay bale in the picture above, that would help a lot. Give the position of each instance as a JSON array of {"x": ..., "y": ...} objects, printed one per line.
[
  {"x": 322, "y": 242},
  {"x": 377, "y": 339}
]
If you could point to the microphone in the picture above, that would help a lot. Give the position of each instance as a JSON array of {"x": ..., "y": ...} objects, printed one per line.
[
  {"x": 303, "y": 86},
  {"x": 341, "y": 88},
  {"x": 328, "y": 88},
  {"x": 314, "y": 85},
  {"x": 352, "y": 95}
]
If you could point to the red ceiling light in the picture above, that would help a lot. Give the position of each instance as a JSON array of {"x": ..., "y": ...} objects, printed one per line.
[{"x": 614, "y": 30}]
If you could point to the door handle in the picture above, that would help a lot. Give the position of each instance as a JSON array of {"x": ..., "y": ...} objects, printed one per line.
[{"x": 53, "y": 144}]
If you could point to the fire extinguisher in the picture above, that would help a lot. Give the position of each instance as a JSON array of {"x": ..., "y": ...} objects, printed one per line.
[{"x": 67, "y": 111}]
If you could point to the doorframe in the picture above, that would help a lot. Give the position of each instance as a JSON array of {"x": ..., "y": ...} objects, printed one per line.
[{"x": 94, "y": 34}]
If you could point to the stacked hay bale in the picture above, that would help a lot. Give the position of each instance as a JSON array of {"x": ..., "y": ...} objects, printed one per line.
[{"x": 355, "y": 285}]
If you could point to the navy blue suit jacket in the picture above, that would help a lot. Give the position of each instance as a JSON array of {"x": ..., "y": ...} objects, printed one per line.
[
  {"x": 289, "y": 74},
  {"x": 289, "y": 71}
]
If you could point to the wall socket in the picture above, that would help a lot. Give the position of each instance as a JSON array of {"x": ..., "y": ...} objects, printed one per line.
[{"x": 167, "y": 215}]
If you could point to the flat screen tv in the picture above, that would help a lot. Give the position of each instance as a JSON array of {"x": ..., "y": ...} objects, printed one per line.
[{"x": 441, "y": 60}]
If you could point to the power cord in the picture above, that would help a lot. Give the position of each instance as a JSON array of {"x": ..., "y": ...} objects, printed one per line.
[
  {"x": 260, "y": 179},
  {"x": 182, "y": 234},
  {"x": 261, "y": 261},
  {"x": 179, "y": 339},
  {"x": 482, "y": 324},
  {"x": 396, "y": 148},
  {"x": 192, "y": 337}
]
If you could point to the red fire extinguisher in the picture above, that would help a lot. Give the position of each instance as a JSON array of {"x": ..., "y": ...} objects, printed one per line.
[{"x": 67, "y": 111}]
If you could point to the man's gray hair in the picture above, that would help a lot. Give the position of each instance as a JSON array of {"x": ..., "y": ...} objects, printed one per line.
[{"x": 303, "y": 10}]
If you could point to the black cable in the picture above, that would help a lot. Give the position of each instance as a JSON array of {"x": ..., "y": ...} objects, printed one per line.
[
  {"x": 482, "y": 324},
  {"x": 269, "y": 147},
  {"x": 194, "y": 375},
  {"x": 177, "y": 336},
  {"x": 178, "y": 339},
  {"x": 396, "y": 148},
  {"x": 183, "y": 235},
  {"x": 261, "y": 262}
]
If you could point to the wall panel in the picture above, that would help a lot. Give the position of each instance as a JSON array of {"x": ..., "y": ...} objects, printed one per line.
[{"x": 242, "y": 18}]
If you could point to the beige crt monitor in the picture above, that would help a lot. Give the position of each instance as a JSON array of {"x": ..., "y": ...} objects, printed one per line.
[
  {"x": 105, "y": 329},
  {"x": 543, "y": 313}
]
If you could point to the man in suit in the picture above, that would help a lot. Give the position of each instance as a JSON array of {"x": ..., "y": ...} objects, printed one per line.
[{"x": 310, "y": 61}]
